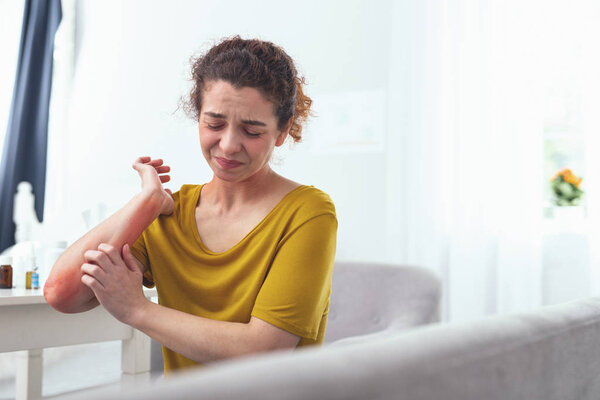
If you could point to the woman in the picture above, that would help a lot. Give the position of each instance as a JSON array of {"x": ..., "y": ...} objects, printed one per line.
[{"x": 243, "y": 263}]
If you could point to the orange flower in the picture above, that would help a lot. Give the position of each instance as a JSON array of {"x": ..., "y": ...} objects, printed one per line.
[
  {"x": 568, "y": 176},
  {"x": 562, "y": 173}
]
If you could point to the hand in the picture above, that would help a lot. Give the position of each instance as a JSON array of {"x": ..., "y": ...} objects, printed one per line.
[
  {"x": 116, "y": 280},
  {"x": 153, "y": 174}
]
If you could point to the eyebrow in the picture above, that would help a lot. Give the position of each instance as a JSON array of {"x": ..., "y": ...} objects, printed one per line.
[{"x": 245, "y": 121}]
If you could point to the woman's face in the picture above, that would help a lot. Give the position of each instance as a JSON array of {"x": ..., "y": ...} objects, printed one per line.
[{"x": 238, "y": 131}]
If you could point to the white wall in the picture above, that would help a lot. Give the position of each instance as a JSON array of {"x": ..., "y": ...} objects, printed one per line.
[{"x": 132, "y": 66}]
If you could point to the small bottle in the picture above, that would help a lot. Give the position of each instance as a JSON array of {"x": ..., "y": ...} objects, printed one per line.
[
  {"x": 31, "y": 276},
  {"x": 28, "y": 279},
  {"x": 35, "y": 279},
  {"x": 32, "y": 279},
  {"x": 5, "y": 272}
]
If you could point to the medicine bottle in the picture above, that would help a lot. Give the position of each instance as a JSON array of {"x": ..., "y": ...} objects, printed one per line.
[
  {"x": 5, "y": 272},
  {"x": 31, "y": 276},
  {"x": 32, "y": 279}
]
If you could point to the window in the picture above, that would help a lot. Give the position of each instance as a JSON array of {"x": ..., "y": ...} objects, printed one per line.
[{"x": 564, "y": 143}]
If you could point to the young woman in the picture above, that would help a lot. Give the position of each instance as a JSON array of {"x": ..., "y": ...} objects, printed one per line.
[{"x": 242, "y": 264}]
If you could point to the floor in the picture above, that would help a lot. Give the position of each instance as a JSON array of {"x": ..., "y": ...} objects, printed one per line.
[{"x": 71, "y": 369}]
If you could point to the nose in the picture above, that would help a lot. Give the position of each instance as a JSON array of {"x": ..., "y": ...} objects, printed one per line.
[{"x": 230, "y": 142}]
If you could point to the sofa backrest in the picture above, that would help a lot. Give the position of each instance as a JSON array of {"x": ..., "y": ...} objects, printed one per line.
[
  {"x": 547, "y": 354},
  {"x": 371, "y": 297}
]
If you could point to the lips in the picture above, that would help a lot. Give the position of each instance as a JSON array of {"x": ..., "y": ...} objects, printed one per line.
[{"x": 227, "y": 164}]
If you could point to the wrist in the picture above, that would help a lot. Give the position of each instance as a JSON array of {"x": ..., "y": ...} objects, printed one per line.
[
  {"x": 151, "y": 200},
  {"x": 140, "y": 314}
]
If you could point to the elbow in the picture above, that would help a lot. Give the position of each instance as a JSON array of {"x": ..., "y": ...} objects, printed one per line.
[
  {"x": 53, "y": 298},
  {"x": 58, "y": 298}
]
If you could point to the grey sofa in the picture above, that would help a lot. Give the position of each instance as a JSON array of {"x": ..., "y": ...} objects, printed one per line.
[{"x": 549, "y": 353}]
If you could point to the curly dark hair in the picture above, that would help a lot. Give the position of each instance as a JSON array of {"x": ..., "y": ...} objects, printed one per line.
[{"x": 257, "y": 64}]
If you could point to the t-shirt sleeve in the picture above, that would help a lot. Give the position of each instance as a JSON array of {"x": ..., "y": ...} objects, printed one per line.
[
  {"x": 295, "y": 293},
  {"x": 138, "y": 249}
]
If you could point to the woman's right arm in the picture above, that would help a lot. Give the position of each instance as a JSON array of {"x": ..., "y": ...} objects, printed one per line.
[{"x": 63, "y": 289}]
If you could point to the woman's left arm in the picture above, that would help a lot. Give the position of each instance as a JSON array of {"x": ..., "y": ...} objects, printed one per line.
[
  {"x": 204, "y": 340},
  {"x": 116, "y": 279}
]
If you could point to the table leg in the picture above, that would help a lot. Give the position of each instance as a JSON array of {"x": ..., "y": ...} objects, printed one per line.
[
  {"x": 135, "y": 353},
  {"x": 29, "y": 374}
]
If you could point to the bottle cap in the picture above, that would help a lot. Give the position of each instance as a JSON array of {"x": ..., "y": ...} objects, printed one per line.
[{"x": 5, "y": 260}]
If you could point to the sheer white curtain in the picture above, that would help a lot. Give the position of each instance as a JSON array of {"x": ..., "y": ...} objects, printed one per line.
[
  {"x": 465, "y": 151},
  {"x": 590, "y": 71}
]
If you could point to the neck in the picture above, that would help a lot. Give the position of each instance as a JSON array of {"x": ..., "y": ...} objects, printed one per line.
[{"x": 229, "y": 195}]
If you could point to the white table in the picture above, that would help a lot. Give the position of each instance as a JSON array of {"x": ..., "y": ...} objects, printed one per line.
[{"x": 28, "y": 324}]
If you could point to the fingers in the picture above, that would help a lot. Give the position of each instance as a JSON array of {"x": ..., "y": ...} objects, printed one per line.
[
  {"x": 160, "y": 169},
  {"x": 113, "y": 254},
  {"x": 147, "y": 161},
  {"x": 90, "y": 282},
  {"x": 105, "y": 255},
  {"x": 130, "y": 260},
  {"x": 96, "y": 257},
  {"x": 94, "y": 272},
  {"x": 141, "y": 160}
]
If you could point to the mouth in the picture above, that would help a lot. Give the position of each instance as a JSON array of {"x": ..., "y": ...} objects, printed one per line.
[{"x": 227, "y": 164}]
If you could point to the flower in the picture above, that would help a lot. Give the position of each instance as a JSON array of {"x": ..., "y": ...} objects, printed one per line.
[{"x": 566, "y": 188}]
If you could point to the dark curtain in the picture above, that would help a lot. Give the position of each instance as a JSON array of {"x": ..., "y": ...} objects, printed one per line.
[{"x": 25, "y": 143}]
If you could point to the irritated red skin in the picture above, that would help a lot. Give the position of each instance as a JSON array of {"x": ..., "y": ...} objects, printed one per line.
[
  {"x": 64, "y": 290},
  {"x": 60, "y": 292}
]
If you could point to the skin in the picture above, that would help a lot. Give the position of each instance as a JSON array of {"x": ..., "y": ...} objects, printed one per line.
[
  {"x": 63, "y": 289},
  {"x": 237, "y": 199},
  {"x": 235, "y": 125}
]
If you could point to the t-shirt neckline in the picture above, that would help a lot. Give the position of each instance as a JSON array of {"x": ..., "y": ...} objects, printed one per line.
[{"x": 194, "y": 226}]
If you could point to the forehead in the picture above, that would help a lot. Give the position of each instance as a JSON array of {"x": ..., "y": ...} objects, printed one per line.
[{"x": 223, "y": 98}]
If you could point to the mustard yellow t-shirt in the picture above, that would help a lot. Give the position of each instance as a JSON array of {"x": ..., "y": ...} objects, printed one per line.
[{"x": 279, "y": 272}]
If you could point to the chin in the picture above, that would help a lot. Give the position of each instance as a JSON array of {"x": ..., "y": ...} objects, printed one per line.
[{"x": 228, "y": 176}]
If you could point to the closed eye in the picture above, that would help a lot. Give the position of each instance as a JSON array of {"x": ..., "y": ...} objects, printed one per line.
[
  {"x": 220, "y": 126},
  {"x": 252, "y": 134}
]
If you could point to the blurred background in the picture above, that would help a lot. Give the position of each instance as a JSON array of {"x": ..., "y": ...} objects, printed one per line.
[{"x": 438, "y": 127}]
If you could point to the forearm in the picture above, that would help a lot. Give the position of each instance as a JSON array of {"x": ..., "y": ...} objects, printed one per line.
[
  {"x": 197, "y": 338},
  {"x": 63, "y": 289}
]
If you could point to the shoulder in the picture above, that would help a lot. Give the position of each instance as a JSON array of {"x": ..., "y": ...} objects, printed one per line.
[
  {"x": 186, "y": 192},
  {"x": 308, "y": 214},
  {"x": 186, "y": 195},
  {"x": 184, "y": 200},
  {"x": 310, "y": 201}
]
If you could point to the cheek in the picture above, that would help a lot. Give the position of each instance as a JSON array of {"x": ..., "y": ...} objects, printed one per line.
[
  {"x": 207, "y": 139},
  {"x": 258, "y": 148}
]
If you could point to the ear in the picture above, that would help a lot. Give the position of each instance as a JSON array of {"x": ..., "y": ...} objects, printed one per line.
[{"x": 284, "y": 133}]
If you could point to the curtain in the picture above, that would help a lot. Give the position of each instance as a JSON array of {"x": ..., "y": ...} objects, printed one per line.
[
  {"x": 591, "y": 127},
  {"x": 25, "y": 143},
  {"x": 465, "y": 176}
]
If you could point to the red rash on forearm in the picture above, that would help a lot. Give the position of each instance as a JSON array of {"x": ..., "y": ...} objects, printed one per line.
[{"x": 64, "y": 290}]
